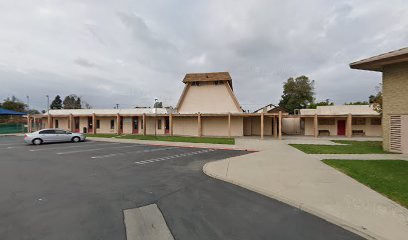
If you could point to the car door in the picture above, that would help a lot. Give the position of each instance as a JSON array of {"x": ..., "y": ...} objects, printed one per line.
[
  {"x": 48, "y": 135},
  {"x": 59, "y": 136}
]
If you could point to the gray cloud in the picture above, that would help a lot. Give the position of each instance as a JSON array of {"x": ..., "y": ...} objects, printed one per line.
[
  {"x": 84, "y": 63},
  {"x": 132, "y": 52}
]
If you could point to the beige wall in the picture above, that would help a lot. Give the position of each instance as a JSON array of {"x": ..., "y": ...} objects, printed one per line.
[
  {"x": 62, "y": 123},
  {"x": 252, "y": 126},
  {"x": 185, "y": 126},
  {"x": 291, "y": 125},
  {"x": 208, "y": 98},
  {"x": 127, "y": 125},
  {"x": 218, "y": 126},
  {"x": 395, "y": 99},
  {"x": 105, "y": 125}
]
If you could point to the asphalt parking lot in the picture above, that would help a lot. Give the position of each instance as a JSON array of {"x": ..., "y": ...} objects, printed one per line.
[{"x": 79, "y": 191}]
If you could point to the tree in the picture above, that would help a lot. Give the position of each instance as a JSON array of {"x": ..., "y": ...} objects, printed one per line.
[
  {"x": 298, "y": 93},
  {"x": 72, "y": 102},
  {"x": 327, "y": 102},
  {"x": 376, "y": 100},
  {"x": 56, "y": 103},
  {"x": 14, "y": 104}
]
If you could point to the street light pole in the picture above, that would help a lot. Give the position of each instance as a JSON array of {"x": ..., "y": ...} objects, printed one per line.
[
  {"x": 48, "y": 104},
  {"x": 155, "y": 116},
  {"x": 28, "y": 102}
]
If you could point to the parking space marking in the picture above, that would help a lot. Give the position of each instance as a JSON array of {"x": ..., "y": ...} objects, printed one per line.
[
  {"x": 174, "y": 156},
  {"x": 76, "y": 146},
  {"x": 138, "y": 151},
  {"x": 96, "y": 149}
]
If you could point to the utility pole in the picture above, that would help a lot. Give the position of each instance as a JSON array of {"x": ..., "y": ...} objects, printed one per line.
[
  {"x": 155, "y": 116},
  {"x": 48, "y": 104},
  {"x": 117, "y": 105},
  {"x": 28, "y": 102}
]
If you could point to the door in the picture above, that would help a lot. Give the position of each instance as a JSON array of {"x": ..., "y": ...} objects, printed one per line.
[
  {"x": 76, "y": 123},
  {"x": 135, "y": 125},
  {"x": 341, "y": 127}
]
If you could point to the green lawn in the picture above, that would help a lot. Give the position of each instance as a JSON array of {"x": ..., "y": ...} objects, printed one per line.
[
  {"x": 388, "y": 177},
  {"x": 352, "y": 147},
  {"x": 211, "y": 140}
]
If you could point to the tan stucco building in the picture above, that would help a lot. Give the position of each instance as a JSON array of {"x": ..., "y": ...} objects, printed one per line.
[
  {"x": 394, "y": 67},
  {"x": 342, "y": 120},
  {"x": 207, "y": 107}
]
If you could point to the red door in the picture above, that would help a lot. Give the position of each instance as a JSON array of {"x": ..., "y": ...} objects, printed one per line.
[{"x": 341, "y": 127}]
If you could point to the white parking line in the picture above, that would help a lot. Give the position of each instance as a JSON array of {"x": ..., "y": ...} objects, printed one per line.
[
  {"x": 76, "y": 146},
  {"x": 139, "y": 151},
  {"x": 96, "y": 149},
  {"x": 174, "y": 156},
  {"x": 7, "y": 144}
]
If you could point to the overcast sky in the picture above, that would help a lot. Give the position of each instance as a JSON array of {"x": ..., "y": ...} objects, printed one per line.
[{"x": 130, "y": 52}]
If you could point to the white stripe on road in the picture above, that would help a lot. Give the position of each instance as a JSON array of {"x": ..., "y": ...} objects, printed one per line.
[
  {"x": 139, "y": 151},
  {"x": 76, "y": 146},
  {"x": 96, "y": 149},
  {"x": 174, "y": 156}
]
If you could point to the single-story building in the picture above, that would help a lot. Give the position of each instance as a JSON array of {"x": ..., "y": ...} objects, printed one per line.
[
  {"x": 207, "y": 107},
  {"x": 394, "y": 67},
  {"x": 344, "y": 120}
]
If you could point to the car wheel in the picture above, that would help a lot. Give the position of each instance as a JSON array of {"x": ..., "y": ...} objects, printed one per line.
[
  {"x": 37, "y": 141},
  {"x": 76, "y": 139}
]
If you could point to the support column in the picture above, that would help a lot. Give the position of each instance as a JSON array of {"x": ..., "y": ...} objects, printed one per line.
[
  {"x": 315, "y": 126},
  {"x": 262, "y": 125},
  {"x": 144, "y": 124},
  {"x": 349, "y": 128},
  {"x": 280, "y": 125},
  {"x": 49, "y": 121},
  {"x": 93, "y": 123},
  {"x": 28, "y": 123},
  {"x": 200, "y": 132},
  {"x": 275, "y": 127},
  {"x": 71, "y": 123},
  {"x": 171, "y": 124},
  {"x": 229, "y": 124},
  {"x": 117, "y": 124}
]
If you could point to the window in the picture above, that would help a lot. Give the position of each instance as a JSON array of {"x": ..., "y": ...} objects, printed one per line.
[
  {"x": 358, "y": 121},
  {"x": 47, "y": 132},
  {"x": 98, "y": 124},
  {"x": 121, "y": 122},
  {"x": 141, "y": 122},
  {"x": 326, "y": 121},
  {"x": 375, "y": 121},
  {"x": 60, "y": 132},
  {"x": 56, "y": 123},
  {"x": 112, "y": 124},
  {"x": 195, "y": 84},
  {"x": 159, "y": 124}
]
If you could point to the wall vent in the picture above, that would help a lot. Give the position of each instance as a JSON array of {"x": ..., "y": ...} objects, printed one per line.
[{"x": 395, "y": 133}]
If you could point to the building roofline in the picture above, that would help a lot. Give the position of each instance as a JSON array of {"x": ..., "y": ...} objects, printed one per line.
[{"x": 376, "y": 63}]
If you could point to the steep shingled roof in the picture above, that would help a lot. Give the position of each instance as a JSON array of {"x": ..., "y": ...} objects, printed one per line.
[{"x": 206, "y": 77}]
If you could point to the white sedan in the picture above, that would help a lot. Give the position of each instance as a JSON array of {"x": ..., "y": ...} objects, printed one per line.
[{"x": 52, "y": 135}]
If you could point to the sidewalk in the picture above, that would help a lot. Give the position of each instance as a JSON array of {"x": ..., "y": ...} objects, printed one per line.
[
  {"x": 362, "y": 156},
  {"x": 301, "y": 180}
]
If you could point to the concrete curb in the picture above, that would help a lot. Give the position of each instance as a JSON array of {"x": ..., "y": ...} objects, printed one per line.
[
  {"x": 298, "y": 204},
  {"x": 171, "y": 144}
]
